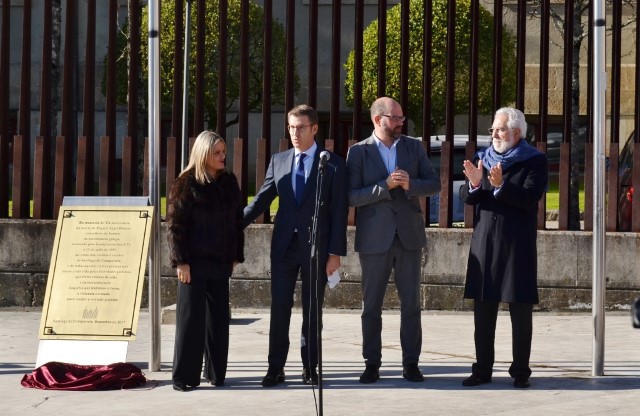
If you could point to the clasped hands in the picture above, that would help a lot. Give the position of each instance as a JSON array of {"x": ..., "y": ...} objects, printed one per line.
[
  {"x": 398, "y": 178},
  {"x": 474, "y": 174}
]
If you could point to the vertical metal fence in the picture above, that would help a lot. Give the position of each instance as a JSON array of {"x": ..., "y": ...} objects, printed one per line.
[{"x": 70, "y": 155}]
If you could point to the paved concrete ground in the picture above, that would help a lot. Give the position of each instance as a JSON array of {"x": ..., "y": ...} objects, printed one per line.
[{"x": 561, "y": 381}]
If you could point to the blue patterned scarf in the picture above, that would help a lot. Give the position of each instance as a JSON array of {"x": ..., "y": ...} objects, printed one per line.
[{"x": 521, "y": 152}]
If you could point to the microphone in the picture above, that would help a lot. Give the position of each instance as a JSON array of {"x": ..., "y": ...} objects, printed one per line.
[{"x": 324, "y": 157}]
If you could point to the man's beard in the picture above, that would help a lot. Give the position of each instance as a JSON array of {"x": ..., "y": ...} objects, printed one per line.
[
  {"x": 502, "y": 146},
  {"x": 393, "y": 133}
]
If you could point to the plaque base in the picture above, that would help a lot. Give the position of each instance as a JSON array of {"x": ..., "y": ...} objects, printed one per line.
[{"x": 82, "y": 352}]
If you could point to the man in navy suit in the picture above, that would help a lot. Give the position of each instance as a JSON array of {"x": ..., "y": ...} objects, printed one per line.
[
  {"x": 292, "y": 175},
  {"x": 388, "y": 173}
]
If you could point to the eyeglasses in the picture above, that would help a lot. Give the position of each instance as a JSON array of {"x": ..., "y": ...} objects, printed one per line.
[
  {"x": 394, "y": 118},
  {"x": 300, "y": 129},
  {"x": 499, "y": 130}
]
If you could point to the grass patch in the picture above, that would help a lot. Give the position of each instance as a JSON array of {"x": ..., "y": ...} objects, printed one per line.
[
  {"x": 163, "y": 207},
  {"x": 274, "y": 205},
  {"x": 553, "y": 196},
  {"x": 553, "y": 201}
]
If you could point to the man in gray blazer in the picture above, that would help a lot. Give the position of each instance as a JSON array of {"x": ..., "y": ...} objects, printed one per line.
[
  {"x": 291, "y": 176},
  {"x": 388, "y": 173}
]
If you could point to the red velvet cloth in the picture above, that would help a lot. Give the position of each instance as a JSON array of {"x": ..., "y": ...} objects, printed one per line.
[{"x": 63, "y": 376}]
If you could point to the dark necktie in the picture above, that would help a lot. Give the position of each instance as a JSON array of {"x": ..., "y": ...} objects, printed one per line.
[{"x": 300, "y": 178}]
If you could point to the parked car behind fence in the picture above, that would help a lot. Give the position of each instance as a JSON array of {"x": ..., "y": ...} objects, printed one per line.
[
  {"x": 625, "y": 193},
  {"x": 459, "y": 147},
  {"x": 554, "y": 139}
]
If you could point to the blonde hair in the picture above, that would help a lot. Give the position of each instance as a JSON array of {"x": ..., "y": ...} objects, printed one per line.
[{"x": 198, "y": 158}]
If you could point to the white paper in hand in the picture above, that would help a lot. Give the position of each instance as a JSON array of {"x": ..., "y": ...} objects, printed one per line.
[{"x": 334, "y": 279}]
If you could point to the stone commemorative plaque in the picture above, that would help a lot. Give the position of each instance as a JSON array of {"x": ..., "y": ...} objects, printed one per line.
[{"x": 96, "y": 275}]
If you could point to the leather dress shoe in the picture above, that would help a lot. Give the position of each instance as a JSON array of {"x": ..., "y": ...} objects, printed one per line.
[
  {"x": 309, "y": 376},
  {"x": 475, "y": 380},
  {"x": 412, "y": 373},
  {"x": 370, "y": 375},
  {"x": 521, "y": 382},
  {"x": 181, "y": 387},
  {"x": 274, "y": 376},
  {"x": 215, "y": 382}
]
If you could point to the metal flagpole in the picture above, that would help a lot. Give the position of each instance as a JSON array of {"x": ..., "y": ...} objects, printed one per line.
[
  {"x": 185, "y": 91},
  {"x": 154, "y": 180},
  {"x": 598, "y": 254}
]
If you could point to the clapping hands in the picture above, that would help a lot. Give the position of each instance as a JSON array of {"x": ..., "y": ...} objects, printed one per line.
[{"x": 474, "y": 174}]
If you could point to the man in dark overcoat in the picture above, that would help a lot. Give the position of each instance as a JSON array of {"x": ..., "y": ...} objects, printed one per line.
[{"x": 504, "y": 184}]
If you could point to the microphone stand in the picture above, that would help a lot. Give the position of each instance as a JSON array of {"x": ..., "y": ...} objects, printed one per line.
[{"x": 315, "y": 272}]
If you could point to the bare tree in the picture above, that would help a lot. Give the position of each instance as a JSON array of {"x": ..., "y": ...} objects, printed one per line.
[
  {"x": 56, "y": 50},
  {"x": 579, "y": 33},
  {"x": 134, "y": 9}
]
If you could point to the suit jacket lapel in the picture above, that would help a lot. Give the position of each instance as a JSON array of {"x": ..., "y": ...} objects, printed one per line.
[
  {"x": 371, "y": 149},
  {"x": 310, "y": 185},
  {"x": 288, "y": 169}
]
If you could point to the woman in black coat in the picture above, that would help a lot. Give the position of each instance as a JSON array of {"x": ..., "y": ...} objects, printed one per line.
[{"x": 204, "y": 232}]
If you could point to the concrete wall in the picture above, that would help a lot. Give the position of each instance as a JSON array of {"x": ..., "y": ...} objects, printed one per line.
[{"x": 564, "y": 269}]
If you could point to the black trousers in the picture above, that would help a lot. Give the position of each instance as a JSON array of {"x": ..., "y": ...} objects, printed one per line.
[
  {"x": 485, "y": 314},
  {"x": 284, "y": 274},
  {"x": 202, "y": 327}
]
